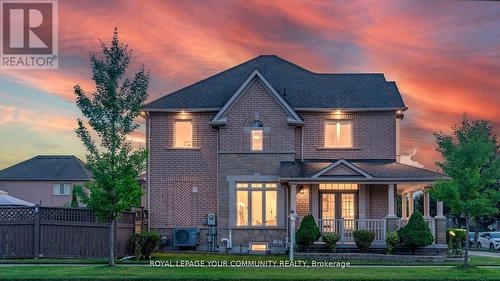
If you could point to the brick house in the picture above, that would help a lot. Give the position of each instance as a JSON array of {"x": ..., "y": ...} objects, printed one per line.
[{"x": 266, "y": 138}]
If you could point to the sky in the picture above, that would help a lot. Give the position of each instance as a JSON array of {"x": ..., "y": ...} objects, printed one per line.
[{"x": 443, "y": 55}]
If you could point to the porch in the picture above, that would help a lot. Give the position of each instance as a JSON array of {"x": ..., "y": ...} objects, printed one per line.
[{"x": 344, "y": 196}]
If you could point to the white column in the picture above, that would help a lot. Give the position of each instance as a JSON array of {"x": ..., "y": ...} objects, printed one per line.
[
  {"x": 439, "y": 211},
  {"x": 293, "y": 198},
  {"x": 390, "y": 201},
  {"x": 410, "y": 204},
  {"x": 404, "y": 207},
  {"x": 427, "y": 213}
]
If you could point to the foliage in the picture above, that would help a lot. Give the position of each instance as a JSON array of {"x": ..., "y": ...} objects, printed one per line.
[
  {"x": 308, "y": 232},
  {"x": 470, "y": 158},
  {"x": 456, "y": 239},
  {"x": 416, "y": 233},
  {"x": 392, "y": 240},
  {"x": 110, "y": 112},
  {"x": 144, "y": 243},
  {"x": 74, "y": 198},
  {"x": 363, "y": 239},
  {"x": 331, "y": 240}
]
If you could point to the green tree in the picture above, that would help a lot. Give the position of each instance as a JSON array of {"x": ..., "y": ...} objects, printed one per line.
[
  {"x": 308, "y": 232},
  {"x": 110, "y": 112},
  {"x": 470, "y": 158}
]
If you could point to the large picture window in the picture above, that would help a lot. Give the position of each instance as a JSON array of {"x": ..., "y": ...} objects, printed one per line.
[
  {"x": 338, "y": 134},
  {"x": 256, "y": 204},
  {"x": 183, "y": 133}
]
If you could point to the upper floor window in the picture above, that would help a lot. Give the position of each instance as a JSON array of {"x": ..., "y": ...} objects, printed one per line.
[
  {"x": 338, "y": 133},
  {"x": 183, "y": 133},
  {"x": 257, "y": 136},
  {"x": 61, "y": 189}
]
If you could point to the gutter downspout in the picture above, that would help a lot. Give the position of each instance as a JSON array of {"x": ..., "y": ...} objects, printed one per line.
[{"x": 148, "y": 136}]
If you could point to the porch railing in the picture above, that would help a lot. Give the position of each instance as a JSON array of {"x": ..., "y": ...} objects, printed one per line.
[
  {"x": 430, "y": 222},
  {"x": 345, "y": 227}
]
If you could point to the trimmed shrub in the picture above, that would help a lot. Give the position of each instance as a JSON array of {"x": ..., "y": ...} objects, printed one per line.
[
  {"x": 392, "y": 240},
  {"x": 416, "y": 233},
  {"x": 144, "y": 243},
  {"x": 308, "y": 232},
  {"x": 363, "y": 239},
  {"x": 331, "y": 240},
  {"x": 456, "y": 239}
]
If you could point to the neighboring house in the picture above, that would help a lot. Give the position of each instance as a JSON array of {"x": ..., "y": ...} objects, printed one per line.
[
  {"x": 266, "y": 138},
  {"x": 47, "y": 180}
]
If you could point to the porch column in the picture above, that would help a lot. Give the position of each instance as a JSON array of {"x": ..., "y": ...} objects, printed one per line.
[
  {"x": 391, "y": 221},
  {"x": 410, "y": 203},
  {"x": 440, "y": 224},
  {"x": 293, "y": 198},
  {"x": 390, "y": 201},
  {"x": 404, "y": 207},
  {"x": 427, "y": 213}
]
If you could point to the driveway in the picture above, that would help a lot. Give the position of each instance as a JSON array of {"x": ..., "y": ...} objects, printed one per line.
[{"x": 495, "y": 254}]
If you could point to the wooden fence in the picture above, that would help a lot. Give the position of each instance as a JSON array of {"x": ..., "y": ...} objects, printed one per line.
[{"x": 46, "y": 232}]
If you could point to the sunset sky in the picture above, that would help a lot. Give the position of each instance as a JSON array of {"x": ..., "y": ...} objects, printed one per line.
[{"x": 443, "y": 55}]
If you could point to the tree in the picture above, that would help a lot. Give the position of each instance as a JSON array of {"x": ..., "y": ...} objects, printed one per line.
[
  {"x": 470, "y": 159},
  {"x": 308, "y": 232},
  {"x": 416, "y": 233},
  {"x": 110, "y": 112}
]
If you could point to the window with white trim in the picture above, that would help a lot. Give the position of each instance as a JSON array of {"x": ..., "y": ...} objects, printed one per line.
[
  {"x": 256, "y": 204},
  {"x": 183, "y": 133},
  {"x": 338, "y": 134},
  {"x": 257, "y": 136},
  {"x": 61, "y": 189}
]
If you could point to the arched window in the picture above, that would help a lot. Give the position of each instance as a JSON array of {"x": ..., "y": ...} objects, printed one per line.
[{"x": 257, "y": 136}]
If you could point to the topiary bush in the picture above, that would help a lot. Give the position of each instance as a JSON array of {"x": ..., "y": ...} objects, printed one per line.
[
  {"x": 363, "y": 239},
  {"x": 331, "y": 240},
  {"x": 144, "y": 243},
  {"x": 392, "y": 240},
  {"x": 308, "y": 232},
  {"x": 416, "y": 233}
]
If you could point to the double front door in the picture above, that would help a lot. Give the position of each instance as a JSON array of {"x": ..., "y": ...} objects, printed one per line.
[{"x": 337, "y": 211}]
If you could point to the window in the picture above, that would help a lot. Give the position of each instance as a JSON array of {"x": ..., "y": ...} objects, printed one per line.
[
  {"x": 61, "y": 189},
  {"x": 256, "y": 204},
  {"x": 183, "y": 133},
  {"x": 338, "y": 186},
  {"x": 257, "y": 136},
  {"x": 348, "y": 206},
  {"x": 258, "y": 247},
  {"x": 338, "y": 134}
]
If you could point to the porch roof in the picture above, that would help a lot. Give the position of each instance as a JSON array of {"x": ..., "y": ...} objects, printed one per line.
[{"x": 356, "y": 170}]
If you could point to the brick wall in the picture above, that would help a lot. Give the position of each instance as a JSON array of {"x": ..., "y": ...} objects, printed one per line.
[
  {"x": 377, "y": 207},
  {"x": 174, "y": 172},
  {"x": 303, "y": 202},
  {"x": 374, "y": 136}
]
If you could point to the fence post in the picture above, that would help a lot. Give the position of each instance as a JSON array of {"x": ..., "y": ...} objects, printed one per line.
[{"x": 37, "y": 232}]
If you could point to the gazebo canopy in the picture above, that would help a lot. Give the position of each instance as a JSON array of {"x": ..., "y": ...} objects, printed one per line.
[{"x": 7, "y": 201}]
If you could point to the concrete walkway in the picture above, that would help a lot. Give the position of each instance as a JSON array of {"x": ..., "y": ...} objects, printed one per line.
[{"x": 495, "y": 254}]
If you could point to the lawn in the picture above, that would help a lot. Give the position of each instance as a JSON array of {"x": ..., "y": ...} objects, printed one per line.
[{"x": 102, "y": 272}]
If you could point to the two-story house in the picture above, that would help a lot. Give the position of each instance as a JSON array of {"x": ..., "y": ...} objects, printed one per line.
[{"x": 268, "y": 138}]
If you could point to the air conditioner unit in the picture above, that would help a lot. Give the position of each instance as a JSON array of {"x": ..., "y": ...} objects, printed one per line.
[{"x": 186, "y": 236}]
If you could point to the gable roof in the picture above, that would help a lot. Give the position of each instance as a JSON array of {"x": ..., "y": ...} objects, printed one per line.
[
  {"x": 299, "y": 87},
  {"x": 341, "y": 163},
  {"x": 48, "y": 167},
  {"x": 373, "y": 171},
  {"x": 292, "y": 115}
]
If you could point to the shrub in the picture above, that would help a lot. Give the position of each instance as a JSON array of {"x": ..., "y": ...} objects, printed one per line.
[
  {"x": 144, "y": 243},
  {"x": 456, "y": 239},
  {"x": 308, "y": 232},
  {"x": 331, "y": 240},
  {"x": 416, "y": 233},
  {"x": 391, "y": 239},
  {"x": 363, "y": 239}
]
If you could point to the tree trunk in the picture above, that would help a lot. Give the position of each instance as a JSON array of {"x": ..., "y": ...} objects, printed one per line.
[
  {"x": 111, "y": 261},
  {"x": 476, "y": 233},
  {"x": 466, "y": 256}
]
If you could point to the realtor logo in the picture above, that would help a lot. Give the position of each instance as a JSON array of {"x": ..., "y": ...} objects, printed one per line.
[{"x": 29, "y": 35}]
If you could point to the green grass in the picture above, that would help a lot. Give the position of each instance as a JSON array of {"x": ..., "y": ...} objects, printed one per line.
[
  {"x": 101, "y": 272},
  {"x": 173, "y": 257}
]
